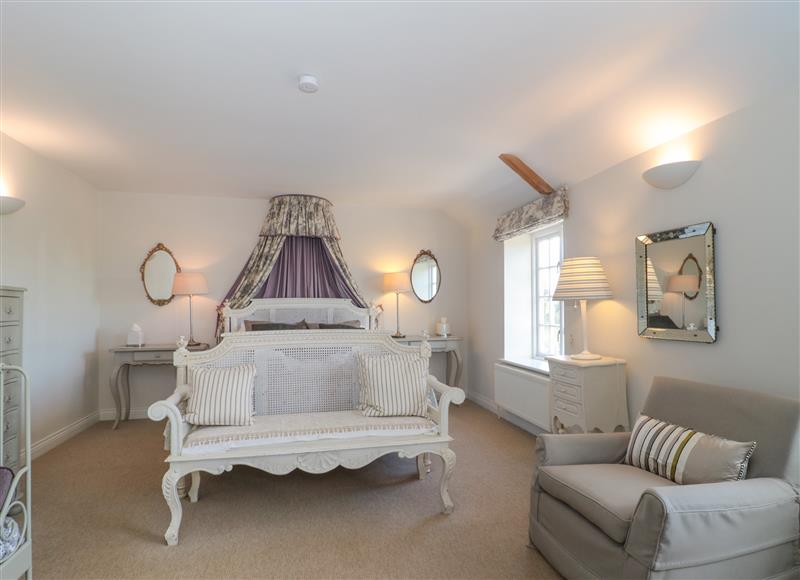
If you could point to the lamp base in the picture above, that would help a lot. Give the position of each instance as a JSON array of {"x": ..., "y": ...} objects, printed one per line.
[
  {"x": 193, "y": 342},
  {"x": 398, "y": 335},
  {"x": 585, "y": 355}
]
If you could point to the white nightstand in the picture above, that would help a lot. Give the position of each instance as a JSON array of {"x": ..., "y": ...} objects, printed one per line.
[{"x": 587, "y": 395}]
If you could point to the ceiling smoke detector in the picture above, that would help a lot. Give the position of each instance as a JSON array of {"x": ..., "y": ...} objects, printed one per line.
[{"x": 308, "y": 83}]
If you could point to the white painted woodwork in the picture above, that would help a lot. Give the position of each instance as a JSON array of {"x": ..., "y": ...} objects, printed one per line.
[
  {"x": 318, "y": 456},
  {"x": 11, "y": 325},
  {"x": 524, "y": 393},
  {"x": 291, "y": 310},
  {"x": 15, "y": 395},
  {"x": 450, "y": 345},
  {"x": 587, "y": 395},
  {"x": 125, "y": 357}
]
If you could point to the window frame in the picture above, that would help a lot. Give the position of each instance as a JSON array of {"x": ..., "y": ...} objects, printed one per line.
[{"x": 536, "y": 237}]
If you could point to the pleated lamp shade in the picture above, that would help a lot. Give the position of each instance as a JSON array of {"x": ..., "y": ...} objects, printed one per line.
[
  {"x": 654, "y": 291},
  {"x": 582, "y": 279}
]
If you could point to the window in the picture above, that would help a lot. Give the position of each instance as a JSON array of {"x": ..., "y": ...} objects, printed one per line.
[{"x": 534, "y": 324}]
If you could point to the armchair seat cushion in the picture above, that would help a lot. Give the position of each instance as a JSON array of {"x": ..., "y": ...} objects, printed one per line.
[{"x": 605, "y": 494}]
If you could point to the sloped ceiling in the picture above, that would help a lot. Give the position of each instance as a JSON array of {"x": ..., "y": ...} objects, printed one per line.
[{"x": 416, "y": 100}]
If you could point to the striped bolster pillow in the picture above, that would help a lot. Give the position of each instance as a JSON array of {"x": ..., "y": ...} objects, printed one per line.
[
  {"x": 222, "y": 396},
  {"x": 393, "y": 385},
  {"x": 686, "y": 456}
]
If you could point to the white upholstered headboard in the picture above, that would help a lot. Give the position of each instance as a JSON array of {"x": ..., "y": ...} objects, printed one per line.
[{"x": 291, "y": 310}]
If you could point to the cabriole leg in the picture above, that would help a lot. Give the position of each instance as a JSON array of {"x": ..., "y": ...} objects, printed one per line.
[
  {"x": 421, "y": 466},
  {"x": 169, "y": 486},
  {"x": 195, "y": 489},
  {"x": 449, "y": 459}
]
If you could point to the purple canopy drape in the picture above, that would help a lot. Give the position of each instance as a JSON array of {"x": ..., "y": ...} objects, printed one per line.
[{"x": 305, "y": 269}]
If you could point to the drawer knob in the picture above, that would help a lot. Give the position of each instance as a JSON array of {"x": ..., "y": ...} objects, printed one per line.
[
  {"x": 7, "y": 427},
  {"x": 8, "y": 398},
  {"x": 9, "y": 340},
  {"x": 9, "y": 310}
]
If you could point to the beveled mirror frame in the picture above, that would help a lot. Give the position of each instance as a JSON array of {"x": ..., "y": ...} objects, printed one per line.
[
  {"x": 159, "y": 247},
  {"x": 430, "y": 255},
  {"x": 708, "y": 334}
]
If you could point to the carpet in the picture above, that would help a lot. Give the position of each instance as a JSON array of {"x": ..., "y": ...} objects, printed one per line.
[{"x": 98, "y": 513}]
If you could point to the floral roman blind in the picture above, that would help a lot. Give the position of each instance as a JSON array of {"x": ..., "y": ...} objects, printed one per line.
[{"x": 540, "y": 212}]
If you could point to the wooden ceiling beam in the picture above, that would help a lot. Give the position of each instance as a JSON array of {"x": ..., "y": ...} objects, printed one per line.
[{"x": 529, "y": 175}]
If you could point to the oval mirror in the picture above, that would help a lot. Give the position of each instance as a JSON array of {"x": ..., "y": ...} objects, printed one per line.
[
  {"x": 425, "y": 276},
  {"x": 158, "y": 272},
  {"x": 691, "y": 266}
]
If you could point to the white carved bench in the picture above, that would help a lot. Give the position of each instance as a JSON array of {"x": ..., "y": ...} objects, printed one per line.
[{"x": 306, "y": 407}]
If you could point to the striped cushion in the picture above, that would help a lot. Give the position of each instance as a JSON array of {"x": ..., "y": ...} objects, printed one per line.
[
  {"x": 393, "y": 385},
  {"x": 222, "y": 396},
  {"x": 686, "y": 456}
]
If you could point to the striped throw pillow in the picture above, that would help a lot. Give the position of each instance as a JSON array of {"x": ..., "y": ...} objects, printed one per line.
[
  {"x": 393, "y": 385},
  {"x": 222, "y": 396},
  {"x": 686, "y": 456}
]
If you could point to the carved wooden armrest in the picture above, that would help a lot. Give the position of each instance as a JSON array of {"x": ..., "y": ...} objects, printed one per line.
[
  {"x": 447, "y": 395},
  {"x": 169, "y": 409}
]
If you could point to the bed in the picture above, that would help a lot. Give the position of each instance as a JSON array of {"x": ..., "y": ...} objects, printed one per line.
[{"x": 295, "y": 310}]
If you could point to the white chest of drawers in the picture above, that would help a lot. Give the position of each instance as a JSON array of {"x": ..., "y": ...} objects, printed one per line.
[
  {"x": 587, "y": 395},
  {"x": 11, "y": 353}
]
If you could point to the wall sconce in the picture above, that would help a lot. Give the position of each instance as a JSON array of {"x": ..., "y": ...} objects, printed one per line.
[
  {"x": 670, "y": 175},
  {"x": 9, "y": 204}
]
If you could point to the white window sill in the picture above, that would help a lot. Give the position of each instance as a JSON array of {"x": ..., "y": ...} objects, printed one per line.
[{"x": 530, "y": 364}]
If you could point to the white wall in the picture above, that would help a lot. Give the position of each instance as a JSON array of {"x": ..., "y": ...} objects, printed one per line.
[
  {"x": 215, "y": 235},
  {"x": 48, "y": 247},
  {"x": 748, "y": 186}
]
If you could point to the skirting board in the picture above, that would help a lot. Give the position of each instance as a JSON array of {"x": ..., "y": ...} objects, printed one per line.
[
  {"x": 55, "y": 439},
  {"x": 111, "y": 414},
  {"x": 490, "y": 405}
]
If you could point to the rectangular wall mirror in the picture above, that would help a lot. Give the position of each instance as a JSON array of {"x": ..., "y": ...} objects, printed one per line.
[{"x": 675, "y": 284}]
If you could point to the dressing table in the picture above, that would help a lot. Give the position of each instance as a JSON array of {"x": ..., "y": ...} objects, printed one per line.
[
  {"x": 126, "y": 357},
  {"x": 450, "y": 345}
]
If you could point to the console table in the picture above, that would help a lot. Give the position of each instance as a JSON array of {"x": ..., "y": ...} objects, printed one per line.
[
  {"x": 451, "y": 345},
  {"x": 126, "y": 357}
]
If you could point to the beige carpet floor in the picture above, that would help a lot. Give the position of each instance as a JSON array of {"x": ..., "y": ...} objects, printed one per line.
[{"x": 98, "y": 513}]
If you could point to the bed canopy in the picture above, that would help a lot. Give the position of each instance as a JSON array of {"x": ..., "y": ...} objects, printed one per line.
[{"x": 297, "y": 256}]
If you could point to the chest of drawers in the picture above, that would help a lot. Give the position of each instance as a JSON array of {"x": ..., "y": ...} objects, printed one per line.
[
  {"x": 587, "y": 396},
  {"x": 11, "y": 302}
]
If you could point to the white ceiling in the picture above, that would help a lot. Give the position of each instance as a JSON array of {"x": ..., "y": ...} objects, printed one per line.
[{"x": 416, "y": 100}]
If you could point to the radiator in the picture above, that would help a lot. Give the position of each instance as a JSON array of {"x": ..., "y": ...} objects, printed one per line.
[{"x": 523, "y": 393}]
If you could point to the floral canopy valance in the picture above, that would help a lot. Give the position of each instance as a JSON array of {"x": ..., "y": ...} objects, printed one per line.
[
  {"x": 538, "y": 213},
  {"x": 300, "y": 215}
]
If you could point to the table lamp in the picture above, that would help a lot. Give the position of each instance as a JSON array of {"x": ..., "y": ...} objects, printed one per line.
[
  {"x": 190, "y": 284},
  {"x": 582, "y": 279},
  {"x": 683, "y": 283},
  {"x": 397, "y": 282}
]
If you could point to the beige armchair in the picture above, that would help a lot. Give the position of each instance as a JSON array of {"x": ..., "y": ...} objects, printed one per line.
[{"x": 594, "y": 517}]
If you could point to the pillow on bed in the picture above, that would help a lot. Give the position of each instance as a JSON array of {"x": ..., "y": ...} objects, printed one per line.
[
  {"x": 347, "y": 325},
  {"x": 256, "y": 325},
  {"x": 222, "y": 396},
  {"x": 393, "y": 385}
]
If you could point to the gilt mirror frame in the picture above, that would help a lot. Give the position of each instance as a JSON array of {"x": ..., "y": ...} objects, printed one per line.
[
  {"x": 420, "y": 255},
  {"x": 708, "y": 334},
  {"x": 159, "y": 247}
]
